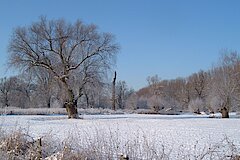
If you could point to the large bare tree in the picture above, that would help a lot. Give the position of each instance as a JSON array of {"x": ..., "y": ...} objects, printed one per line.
[{"x": 64, "y": 50}]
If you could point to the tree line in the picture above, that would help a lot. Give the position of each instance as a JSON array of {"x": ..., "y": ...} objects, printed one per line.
[
  {"x": 215, "y": 90},
  {"x": 204, "y": 91},
  {"x": 25, "y": 91}
]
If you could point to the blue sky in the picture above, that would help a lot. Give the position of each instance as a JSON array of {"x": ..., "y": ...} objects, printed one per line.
[{"x": 171, "y": 38}]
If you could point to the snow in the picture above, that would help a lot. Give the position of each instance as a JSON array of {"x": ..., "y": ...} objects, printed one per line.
[{"x": 175, "y": 132}]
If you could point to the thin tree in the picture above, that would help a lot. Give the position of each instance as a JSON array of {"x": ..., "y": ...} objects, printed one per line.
[
  {"x": 114, "y": 91},
  {"x": 65, "y": 50}
]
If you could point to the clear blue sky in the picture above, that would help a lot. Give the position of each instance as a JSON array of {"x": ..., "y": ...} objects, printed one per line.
[{"x": 171, "y": 38}]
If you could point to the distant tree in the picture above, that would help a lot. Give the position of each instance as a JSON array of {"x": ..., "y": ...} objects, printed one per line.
[
  {"x": 185, "y": 94},
  {"x": 23, "y": 89},
  {"x": 142, "y": 103},
  {"x": 131, "y": 102},
  {"x": 64, "y": 50},
  {"x": 45, "y": 89},
  {"x": 153, "y": 82},
  {"x": 155, "y": 103},
  {"x": 121, "y": 89},
  {"x": 5, "y": 89},
  {"x": 122, "y": 94},
  {"x": 199, "y": 84},
  {"x": 16, "y": 91},
  {"x": 92, "y": 93}
]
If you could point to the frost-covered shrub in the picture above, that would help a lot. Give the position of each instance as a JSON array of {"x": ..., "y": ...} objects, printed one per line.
[
  {"x": 215, "y": 103},
  {"x": 155, "y": 103},
  {"x": 142, "y": 103},
  {"x": 163, "y": 104},
  {"x": 17, "y": 145},
  {"x": 197, "y": 105},
  {"x": 132, "y": 102}
]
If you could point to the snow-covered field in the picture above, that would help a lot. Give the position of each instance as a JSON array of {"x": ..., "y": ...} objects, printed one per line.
[{"x": 177, "y": 135}]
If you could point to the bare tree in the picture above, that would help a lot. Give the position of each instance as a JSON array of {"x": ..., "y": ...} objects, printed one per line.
[
  {"x": 225, "y": 84},
  {"x": 64, "y": 50},
  {"x": 122, "y": 94},
  {"x": 199, "y": 84},
  {"x": 45, "y": 88},
  {"x": 155, "y": 103},
  {"x": 185, "y": 93},
  {"x": 5, "y": 89},
  {"x": 131, "y": 102},
  {"x": 91, "y": 94},
  {"x": 154, "y": 84},
  {"x": 16, "y": 91}
]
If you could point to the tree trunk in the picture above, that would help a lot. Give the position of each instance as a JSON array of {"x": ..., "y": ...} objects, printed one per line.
[
  {"x": 71, "y": 105},
  {"x": 87, "y": 100},
  {"x": 225, "y": 113},
  {"x": 114, "y": 91},
  {"x": 49, "y": 102},
  {"x": 71, "y": 110},
  {"x": 6, "y": 102},
  {"x": 225, "y": 108}
]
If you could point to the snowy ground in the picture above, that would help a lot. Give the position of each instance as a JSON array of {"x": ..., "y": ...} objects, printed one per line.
[{"x": 185, "y": 133}]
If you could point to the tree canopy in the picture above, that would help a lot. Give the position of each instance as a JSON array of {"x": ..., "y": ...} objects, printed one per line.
[{"x": 69, "y": 52}]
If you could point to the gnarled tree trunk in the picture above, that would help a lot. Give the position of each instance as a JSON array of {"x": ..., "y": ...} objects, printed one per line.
[
  {"x": 225, "y": 112},
  {"x": 71, "y": 110},
  {"x": 225, "y": 108},
  {"x": 70, "y": 104}
]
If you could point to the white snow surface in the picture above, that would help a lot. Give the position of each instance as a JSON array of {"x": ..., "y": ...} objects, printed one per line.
[{"x": 172, "y": 131}]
